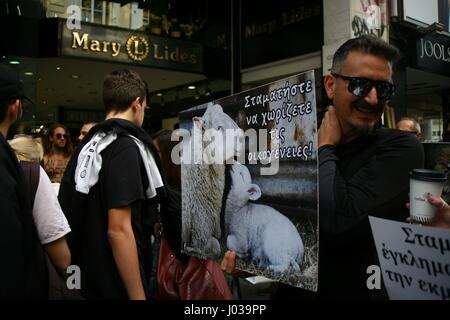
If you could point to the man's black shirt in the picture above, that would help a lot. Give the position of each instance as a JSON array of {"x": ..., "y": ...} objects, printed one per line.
[
  {"x": 368, "y": 176},
  {"x": 122, "y": 183},
  {"x": 15, "y": 228}
]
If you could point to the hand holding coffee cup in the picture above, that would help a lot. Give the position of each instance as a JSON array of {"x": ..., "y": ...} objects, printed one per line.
[
  {"x": 442, "y": 216},
  {"x": 423, "y": 184}
]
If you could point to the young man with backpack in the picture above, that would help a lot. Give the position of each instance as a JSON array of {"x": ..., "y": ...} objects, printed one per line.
[{"x": 109, "y": 194}]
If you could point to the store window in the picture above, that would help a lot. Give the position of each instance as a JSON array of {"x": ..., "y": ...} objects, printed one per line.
[
  {"x": 427, "y": 109},
  {"x": 176, "y": 19},
  {"x": 93, "y": 11},
  {"x": 58, "y": 8},
  {"x": 98, "y": 12},
  {"x": 28, "y": 8}
]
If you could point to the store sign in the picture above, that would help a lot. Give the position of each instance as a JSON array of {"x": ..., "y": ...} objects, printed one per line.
[
  {"x": 414, "y": 260},
  {"x": 82, "y": 116},
  {"x": 132, "y": 47},
  {"x": 278, "y": 24},
  {"x": 433, "y": 53}
]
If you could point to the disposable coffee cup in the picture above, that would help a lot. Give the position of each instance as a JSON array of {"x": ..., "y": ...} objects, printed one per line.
[{"x": 423, "y": 183}]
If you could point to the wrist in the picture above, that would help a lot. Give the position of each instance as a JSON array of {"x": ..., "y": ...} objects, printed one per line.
[
  {"x": 330, "y": 147},
  {"x": 138, "y": 294},
  {"x": 327, "y": 143}
]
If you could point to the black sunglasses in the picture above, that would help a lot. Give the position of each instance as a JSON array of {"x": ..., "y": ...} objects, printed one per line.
[
  {"x": 60, "y": 135},
  {"x": 361, "y": 87}
]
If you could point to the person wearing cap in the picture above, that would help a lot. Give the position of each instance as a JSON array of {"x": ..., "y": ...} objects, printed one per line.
[{"x": 16, "y": 225}]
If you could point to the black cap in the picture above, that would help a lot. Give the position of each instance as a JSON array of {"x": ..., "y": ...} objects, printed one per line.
[{"x": 10, "y": 85}]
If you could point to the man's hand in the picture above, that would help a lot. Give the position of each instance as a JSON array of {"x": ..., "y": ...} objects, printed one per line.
[
  {"x": 330, "y": 130},
  {"x": 441, "y": 218},
  {"x": 228, "y": 263}
]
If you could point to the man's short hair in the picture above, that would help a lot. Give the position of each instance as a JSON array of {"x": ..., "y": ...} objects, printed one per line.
[
  {"x": 93, "y": 123},
  {"x": 416, "y": 126},
  {"x": 121, "y": 88},
  {"x": 366, "y": 44}
]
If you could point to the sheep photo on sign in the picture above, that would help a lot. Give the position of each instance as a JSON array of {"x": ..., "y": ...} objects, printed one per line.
[{"x": 249, "y": 180}]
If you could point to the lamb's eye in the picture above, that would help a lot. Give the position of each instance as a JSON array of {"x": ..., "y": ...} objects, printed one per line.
[{"x": 220, "y": 128}]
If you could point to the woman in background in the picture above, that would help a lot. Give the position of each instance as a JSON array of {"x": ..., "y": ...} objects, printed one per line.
[{"x": 50, "y": 221}]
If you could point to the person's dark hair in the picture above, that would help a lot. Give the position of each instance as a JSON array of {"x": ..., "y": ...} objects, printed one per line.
[
  {"x": 165, "y": 145},
  {"x": 68, "y": 148},
  {"x": 446, "y": 124},
  {"x": 446, "y": 131},
  {"x": 366, "y": 44},
  {"x": 121, "y": 88},
  {"x": 89, "y": 122},
  {"x": 3, "y": 107}
]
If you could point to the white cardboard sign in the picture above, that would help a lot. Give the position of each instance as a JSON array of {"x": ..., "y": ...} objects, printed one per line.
[{"x": 414, "y": 259}]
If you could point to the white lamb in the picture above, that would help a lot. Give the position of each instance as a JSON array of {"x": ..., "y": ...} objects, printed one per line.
[
  {"x": 203, "y": 185},
  {"x": 259, "y": 232}
]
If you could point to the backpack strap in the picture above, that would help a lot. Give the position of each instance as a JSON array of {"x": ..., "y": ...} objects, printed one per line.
[{"x": 31, "y": 171}]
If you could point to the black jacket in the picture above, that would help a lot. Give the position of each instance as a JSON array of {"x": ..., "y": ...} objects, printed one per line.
[
  {"x": 367, "y": 177},
  {"x": 72, "y": 201},
  {"x": 16, "y": 228},
  {"x": 86, "y": 213}
]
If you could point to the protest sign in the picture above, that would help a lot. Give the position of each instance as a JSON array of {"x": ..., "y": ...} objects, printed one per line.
[
  {"x": 249, "y": 180},
  {"x": 414, "y": 259}
]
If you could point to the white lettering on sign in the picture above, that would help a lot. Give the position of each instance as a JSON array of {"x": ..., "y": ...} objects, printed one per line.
[
  {"x": 434, "y": 50},
  {"x": 74, "y": 17}
]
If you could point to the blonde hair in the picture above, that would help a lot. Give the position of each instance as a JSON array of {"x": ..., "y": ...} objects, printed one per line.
[{"x": 27, "y": 149}]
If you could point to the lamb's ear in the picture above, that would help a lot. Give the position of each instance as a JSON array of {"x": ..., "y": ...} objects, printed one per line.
[
  {"x": 197, "y": 122},
  {"x": 218, "y": 108},
  {"x": 254, "y": 192}
]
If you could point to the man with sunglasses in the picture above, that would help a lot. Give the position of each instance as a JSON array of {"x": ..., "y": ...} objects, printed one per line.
[
  {"x": 58, "y": 152},
  {"x": 363, "y": 167}
]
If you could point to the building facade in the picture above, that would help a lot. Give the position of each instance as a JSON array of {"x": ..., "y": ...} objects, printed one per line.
[{"x": 193, "y": 51}]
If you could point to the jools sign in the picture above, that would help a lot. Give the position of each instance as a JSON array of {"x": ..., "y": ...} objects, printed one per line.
[{"x": 433, "y": 53}]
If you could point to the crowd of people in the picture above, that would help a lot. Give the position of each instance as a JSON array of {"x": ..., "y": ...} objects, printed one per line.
[{"x": 96, "y": 206}]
